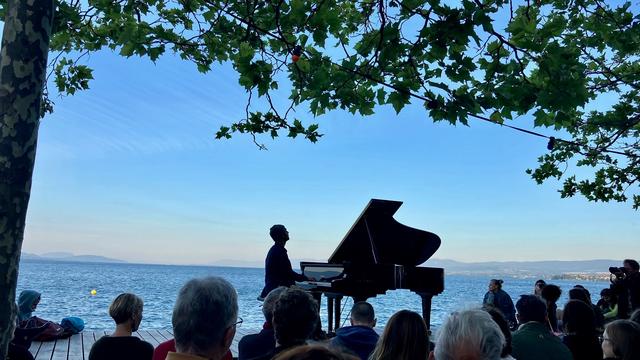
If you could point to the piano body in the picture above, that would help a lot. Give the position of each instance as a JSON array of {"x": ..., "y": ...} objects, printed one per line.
[{"x": 377, "y": 254}]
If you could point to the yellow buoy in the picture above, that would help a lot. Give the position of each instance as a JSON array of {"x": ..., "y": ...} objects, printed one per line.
[{"x": 93, "y": 292}]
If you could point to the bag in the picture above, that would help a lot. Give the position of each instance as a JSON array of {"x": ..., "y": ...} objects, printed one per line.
[
  {"x": 49, "y": 330},
  {"x": 72, "y": 324}
]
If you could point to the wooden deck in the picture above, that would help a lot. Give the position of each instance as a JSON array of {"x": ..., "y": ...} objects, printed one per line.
[{"x": 78, "y": 346}]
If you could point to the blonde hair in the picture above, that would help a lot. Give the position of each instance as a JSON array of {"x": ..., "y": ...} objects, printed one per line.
[{"x": 124, "y": 307}]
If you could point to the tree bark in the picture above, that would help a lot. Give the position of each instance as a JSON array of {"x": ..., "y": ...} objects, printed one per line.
[{"x": 23, "y": 66}]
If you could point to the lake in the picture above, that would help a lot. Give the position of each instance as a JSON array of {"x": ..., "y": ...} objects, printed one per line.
[{"x": 66, "y": 291}]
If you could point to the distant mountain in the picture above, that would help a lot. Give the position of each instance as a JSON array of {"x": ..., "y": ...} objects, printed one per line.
[
  {"x": 524, "y": 268},
  {"x": 512, "y": 268},
  {"x": 65, "y": 256}
]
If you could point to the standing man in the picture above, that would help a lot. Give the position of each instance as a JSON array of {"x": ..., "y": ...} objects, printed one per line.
[{"x": 278, "y": 271}]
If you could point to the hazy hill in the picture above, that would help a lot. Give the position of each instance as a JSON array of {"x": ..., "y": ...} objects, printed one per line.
[
  {"x": 65, "y": 256},
  {"x": 513, "y": 268}
]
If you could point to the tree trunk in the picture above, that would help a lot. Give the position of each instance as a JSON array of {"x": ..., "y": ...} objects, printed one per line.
[{"x": 23, "y": 66}]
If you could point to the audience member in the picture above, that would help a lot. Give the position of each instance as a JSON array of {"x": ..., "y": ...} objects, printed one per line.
[
  {"x": 499, "y": 299},
  {"x": 295, "y": 318},
  {"x": 499, "y": 319},
  {"x": 621, "y": 340},
  {"x": 359, "y": 338},
  {"x": 635, "y": 317},
  {"x": 582, "y": 294},
  {"x": 580, "y": 331},
  {"x": 161, "y": 351},
  {"x": 551, "y": 294},
  {"x": 313, "y": 352},
  {"x": 204, "y": 319},
  {"x": 469, "y": 335},
  {"x": 264, "y": 342},
  {"x": 605, "y": 303},
  {"x": 404, "y": 338},
  {"x": 537, "y": 288},
  {"x": 126, "y": 311},
  {"x": 533, "y": 340},
  {"x": 632, "y": 282},
  {"x": 28, "y": 301}
]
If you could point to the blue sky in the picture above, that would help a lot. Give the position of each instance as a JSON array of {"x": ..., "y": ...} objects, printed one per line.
[{"x": 130, "y": 169}]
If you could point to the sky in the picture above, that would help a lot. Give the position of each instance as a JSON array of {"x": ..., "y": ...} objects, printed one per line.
[{"x": 130, "y": 169}]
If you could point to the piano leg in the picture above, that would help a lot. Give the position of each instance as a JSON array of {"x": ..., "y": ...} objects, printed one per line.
[
  {"x": 426, "y": 309},
  {"x": 333, "y": 311},
  {"x": 337, "y": 303},
  {"x": 330, "y": 313}
]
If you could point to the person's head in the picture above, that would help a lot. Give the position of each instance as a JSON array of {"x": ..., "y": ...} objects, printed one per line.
[
  {"x": 495, "y": 285},
  {"x": 295, "y": 317},
  {"x": 469, "y": 335},
  {"x": 631, "y": 265},
  {"x": 127, "y": 309},
  {"x": 362, "y": 314},
  {"x": 204, "y": 317},
  {"x": 279, "y": 233},
  {"x": 531, "y": 308},
  {"x": 621, "y": 340},
  {"x": 499, "y": 319},
  {"x": 270, "y": 302},
  {"x": 313, "y": 352},
  {"x": 551, "y": 293},
  {"x": 537, "y": 288},
  {"x": 635, "y": 316},
  {"x": 27, "y": 302},
  {"x": 579, "y": 294},
  {"x": 578, "y": 318},
  {"x": 405, "y": 337}
]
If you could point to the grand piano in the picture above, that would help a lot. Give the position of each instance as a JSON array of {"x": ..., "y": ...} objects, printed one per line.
[{"x": 377, "y": 254}]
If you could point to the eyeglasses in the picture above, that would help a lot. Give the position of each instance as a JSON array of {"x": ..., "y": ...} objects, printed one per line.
[{"x": 239, "y": 322}]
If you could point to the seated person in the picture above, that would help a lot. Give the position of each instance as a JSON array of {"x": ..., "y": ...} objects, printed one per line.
[
  {"x": 404, "y": 338},
  {"x": 359, "y": 338},
  {"x": 264, "y": 342},
  {"x": 204, "y": 319},
  {"x": 502, "y": 323},
  {"x": 295, "y": 318},
  {"x": 28, "y": 301},
  {"x": 582, "y": 294},
  {"x": 534, "y": 340},
  {"x": 126, "y": 311},
  {"x": 580, "y": 336},
  {"x": 469, "y": 334},
  {"x": 313, "y": 352},
  {"x": 621, "y": 340}
]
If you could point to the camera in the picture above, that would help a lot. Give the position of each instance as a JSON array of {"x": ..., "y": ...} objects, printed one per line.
[{"x": 619, "y": 272}]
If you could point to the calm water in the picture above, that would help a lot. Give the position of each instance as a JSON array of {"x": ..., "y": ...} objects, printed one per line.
[{"x": 66, "y": 287}]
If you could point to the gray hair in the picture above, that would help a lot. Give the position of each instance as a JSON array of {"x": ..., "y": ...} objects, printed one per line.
[
  {"x": 270, "y": 302},
  {"x": 470, "y": 333},
  {"x": 204, "y": 310}
]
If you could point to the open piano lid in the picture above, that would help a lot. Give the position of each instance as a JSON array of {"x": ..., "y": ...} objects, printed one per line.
[{"x": 377, "y": 238}]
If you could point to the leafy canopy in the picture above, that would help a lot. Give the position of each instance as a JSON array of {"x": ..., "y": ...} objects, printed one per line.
[{"x": 494, "y": 60}]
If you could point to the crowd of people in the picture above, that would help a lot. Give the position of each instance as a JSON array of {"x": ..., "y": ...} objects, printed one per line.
[{"x": 205, "y": 317}]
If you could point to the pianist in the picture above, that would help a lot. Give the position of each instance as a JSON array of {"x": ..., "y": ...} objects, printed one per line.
[{"x": 278, "y": 271}]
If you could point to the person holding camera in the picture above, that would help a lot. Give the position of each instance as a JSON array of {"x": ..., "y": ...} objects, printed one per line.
[{"x": 625, "y": 283}]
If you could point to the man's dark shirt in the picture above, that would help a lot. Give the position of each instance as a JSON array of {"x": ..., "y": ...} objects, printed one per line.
[
  {"x": 633, "y": 284},
  {"x": 256, "y": 345},
  {"x": 278, "y": 271},
  {"x": 121, "y": 347},
  {"x": 358, "y": 339}
]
